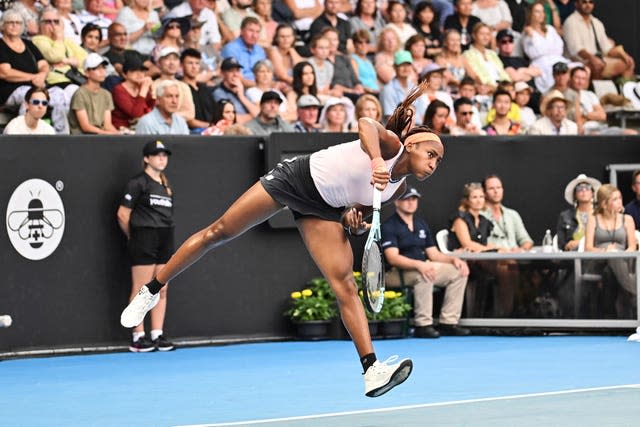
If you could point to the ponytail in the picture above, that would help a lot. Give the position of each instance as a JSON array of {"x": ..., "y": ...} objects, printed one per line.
[{"x": 401, "y": 118}]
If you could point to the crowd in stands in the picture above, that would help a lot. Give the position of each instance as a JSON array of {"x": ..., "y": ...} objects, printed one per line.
[{"x": 494, "y": 67}]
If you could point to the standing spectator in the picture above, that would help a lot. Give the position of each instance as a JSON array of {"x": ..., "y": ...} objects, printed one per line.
[
  {"x": 555, "y": 122},
  {"x": 232, "y": 88},
  {"x": 31, "y": 123},
  {"x": 22, "y": 66},
  {"x": 91, "y": 105},
  {"x": 633, "y": 207},
  {"x": 462, "y": 21},
  {"x": 427, "y": 25},
  {"x": 283, "y": 54},
  {"x": 397, "y": 13},
  {"x": 410, "y": 249},
  {"x": 451, "y": 59},
  {"x": 92, "y": 14},
  {"x": 132, "y": 98},
  {"x": 465, "y": 124},
  {"x": 501, "y": 124},
  {"x": 397, "y": 89},
  {"x": 145, "y": 216},
  {"x": 485, "y": 66},
  {"x": 199, "y": 11},
  {"x": 163, "y": 119},
  {"x": 572, "y": 223},
  {"x": 169, "y": 64},
  {"x": 367, "y": 17},
  {"x": 522, "y": 98},
  {"x": 200, "y": 92},
  {"x": 361, "y": 63},
  {"x": 268, "y": 120},
  {"x": 587, "y": 41},
  {"x": 308, "y": 109},
  {"x": 71, "y": 22},
  {"x": 388, "y": 46},
  {"x": 245, "y": 49},
  {"x": 330, "y": 18},
  {"x": 139, "y": 20}
]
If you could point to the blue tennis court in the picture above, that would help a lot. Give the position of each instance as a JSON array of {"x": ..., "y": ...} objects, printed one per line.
[{"x": 469, "y": 381}]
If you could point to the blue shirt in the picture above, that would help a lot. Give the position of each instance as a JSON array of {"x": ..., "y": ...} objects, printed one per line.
[
  {"x": 392, "y": 94},
  {"x": 246, "y": 56},
  {"x": 153, "y": 123},
  {"x": 412, "y": 244},
  {"x": 633, "y": 208},
  {"x": 221, "y": 92}
]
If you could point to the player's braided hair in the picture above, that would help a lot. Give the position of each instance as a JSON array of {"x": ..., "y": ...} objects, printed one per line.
[{"x": 400, "y": 120}]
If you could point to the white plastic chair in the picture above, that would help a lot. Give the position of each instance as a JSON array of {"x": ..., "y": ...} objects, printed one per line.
[{"x": 442, "y": 239}]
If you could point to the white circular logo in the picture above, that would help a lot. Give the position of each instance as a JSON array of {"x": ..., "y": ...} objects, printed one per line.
[{"x": 35, "y": 219}]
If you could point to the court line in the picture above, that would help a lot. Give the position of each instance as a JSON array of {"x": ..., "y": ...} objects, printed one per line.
[{"x": 422, "y": 405}]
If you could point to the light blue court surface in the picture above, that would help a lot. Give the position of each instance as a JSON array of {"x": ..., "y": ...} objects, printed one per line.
[{"x": 467, "y": 381}]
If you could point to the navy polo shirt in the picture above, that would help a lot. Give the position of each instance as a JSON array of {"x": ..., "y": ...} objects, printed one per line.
[
  {"x": 412, "y": 244},
  {"x": 633, "y": 209}
]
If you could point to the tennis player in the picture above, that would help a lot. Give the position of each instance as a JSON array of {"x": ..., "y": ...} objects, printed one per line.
[{"x": 329, "y": 193}]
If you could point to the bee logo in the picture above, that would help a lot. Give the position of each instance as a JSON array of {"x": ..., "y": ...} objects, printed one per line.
[{"x": 35, "y": 219}]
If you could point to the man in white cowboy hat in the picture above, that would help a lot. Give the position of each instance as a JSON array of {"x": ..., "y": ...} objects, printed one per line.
[
  {"x": 554, "y": 107},
  {"x": 572, "y": 223}
]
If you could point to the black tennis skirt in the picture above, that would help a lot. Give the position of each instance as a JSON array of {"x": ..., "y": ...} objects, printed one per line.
[{"x": 290, "y": 184}]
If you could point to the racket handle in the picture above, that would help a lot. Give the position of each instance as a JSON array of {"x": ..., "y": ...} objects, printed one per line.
[{"x": 377, "y": 198}]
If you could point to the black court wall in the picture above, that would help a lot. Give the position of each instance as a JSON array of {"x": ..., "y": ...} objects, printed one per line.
[{"x": 74, "y": 296}]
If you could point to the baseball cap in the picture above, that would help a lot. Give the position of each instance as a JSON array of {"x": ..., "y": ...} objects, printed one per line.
[
  {"x": 430, "y": 68},
  {"x": 133, "y": 63},
  {"x": 168, "y": 50},
  {"x": 560, "y": 68},
  {"x": 411, "y": 192},
  {"x": 520, "y": 86},
  {"x": 503, "y": 34},
  {"x": 195, "y": 23},
  {"x": 230, "y": 64},
  {"x": 93, "y": 60},
  {"x": 402, "y": 57},
  {"x": 152, "y": 148},
  {"x": 270, "y": 96},
  {"x": 308, "y": 101}
]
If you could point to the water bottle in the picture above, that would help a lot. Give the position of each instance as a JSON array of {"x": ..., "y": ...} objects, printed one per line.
[{"x": 547, "y": 242}]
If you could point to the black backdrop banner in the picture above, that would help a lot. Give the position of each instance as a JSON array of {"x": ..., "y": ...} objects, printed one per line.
[{"x": 74, "y": 296}]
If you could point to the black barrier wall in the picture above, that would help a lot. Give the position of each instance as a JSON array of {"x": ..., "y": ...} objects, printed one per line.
[{"x": 74, "y": 296}]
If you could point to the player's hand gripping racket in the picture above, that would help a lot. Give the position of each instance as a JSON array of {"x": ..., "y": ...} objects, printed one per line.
[{"x": 372, "y": 262}]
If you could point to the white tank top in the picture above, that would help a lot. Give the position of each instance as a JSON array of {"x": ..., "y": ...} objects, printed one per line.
[{"x": 342, "y": 175}]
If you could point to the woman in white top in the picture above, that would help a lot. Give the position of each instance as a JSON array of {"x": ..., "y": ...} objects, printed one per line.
[
  {"x": 398, "y": 21},
  {"x": 140, "y": 22},
  {"x": 31, "y": 123},
  {"x": 494, "y": 13},
  {"x": 329, "y": 192},
  {"x": 72, "y": 24}
]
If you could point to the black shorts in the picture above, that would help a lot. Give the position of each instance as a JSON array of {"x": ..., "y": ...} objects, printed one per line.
[
  {"x": 290, "y": 184},
  {"x": 148, "y": 246}
]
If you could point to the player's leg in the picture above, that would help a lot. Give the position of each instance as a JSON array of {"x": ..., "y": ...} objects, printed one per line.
[
  {"x": 157, "y": 317},
  {"x": 252, "y": 208},
  {"x": 140, "y": 275},
  {"x": 331, "y": 250}
]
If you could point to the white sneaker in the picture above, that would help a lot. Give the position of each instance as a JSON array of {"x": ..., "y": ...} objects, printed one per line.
[
  {"x": 134, "y": 314},
  {"x": 383, "y": 376}
]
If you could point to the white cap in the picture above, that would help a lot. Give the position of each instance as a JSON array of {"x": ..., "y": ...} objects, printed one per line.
[
  {"x": 93, "y": 60},
  {"x": 166, "y": 51}
]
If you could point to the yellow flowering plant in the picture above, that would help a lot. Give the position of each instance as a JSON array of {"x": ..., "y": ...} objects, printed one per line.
[
  {"x": 316, "y": 302},
  {"x": 395, "y": 306}
]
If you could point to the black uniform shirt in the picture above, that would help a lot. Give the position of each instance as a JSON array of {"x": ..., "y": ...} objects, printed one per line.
[
  {"x": 412, "y": 244},
  {"x": 150, "y": 202}
]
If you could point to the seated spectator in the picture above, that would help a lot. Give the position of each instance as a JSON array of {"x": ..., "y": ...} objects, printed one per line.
[
  {"x": 92, "y": 14},
  {"x": 411, "y": 251},
  {"x": 367, "y": 17},
  {"x": 425, "y": 21},
  {"x": 304, "y": 81},
  {"x": 233, "y": 18},
  {"x": 263, "y": 71},
  {"x": 560, "y": 72},
  {"x": 544, "y": 47},
  {"x": 200, "y": 92},
  {"x": 169, "y": 64},
  {"x": 417, "y": 47},
  {"x": 465, "y": 124},
  {"x": 522, "y": 98},
  {"x": 202, "y": 11},
  {"x": 118, "y": 52},
  {"x": 572, "y": 223},
  {"x": 31, "y": 123},
  {"x": 322, "y": 67},
  {"x": 554, "y": 122},
  {"x": 245, "y": 49},
  {"x": 170, "y": 36},
  {"x": 139, "y": 21},
  {"x": 163, "y": 119},
  {"x": 91, "y": 105},
  {"x": 330, "y": 18},
  {"x": 269, "y": 120},
  {"x": 633, "y": 207},
  {"x": 29, "y": 12},
  {"x": 469, "y": 228},
  {"x": 494, "y": 13},
  {"x": 344, "y": 82},
  {"x": 481, "y": 104},
  {"x": 514, "y": 109},
  {"x": 517, "y": 67},
  {"x": 283, "y": 54},
  {"x": 462, "y": 21},
  {"x": 224, "y": 116},
  {"x": 232, "y": 88},
  {"x": 132, "y": 98},
  {"x": 432, "y": 75},
  {"x": 70, "y": 21},
  {"x": 362, "y": 65},
  {"x": 436, "y": 117},
  {"x": 308, "y": 108},
  {"x": 388, "y": 46},
  {"x": 565, "y": 8},
  {"x": 397, "y": 16},
  {"x": 337, "y": 115},
  {"x": 304, "y": 12},
  {"x": 262, "y": 9},
  {"x": 501, "y": 124},
  {"x": 22, "y": 66},
  {"x": 485, "y": 66},
  {"x": 397, "y": 89},
  {"x": 587, "y": 41},
  {"x": 209, "y": 56},
  {"x": 91, "y": 38},
  {"x": 451, "y": 59},
  {"x": 368, "y": 106}
]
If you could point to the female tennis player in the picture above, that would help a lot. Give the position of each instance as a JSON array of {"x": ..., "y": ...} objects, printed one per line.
[{"x": 329, "y": 192}]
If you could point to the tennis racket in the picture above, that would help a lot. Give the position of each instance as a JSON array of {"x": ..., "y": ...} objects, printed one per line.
[{"x": 372, "y": 262}]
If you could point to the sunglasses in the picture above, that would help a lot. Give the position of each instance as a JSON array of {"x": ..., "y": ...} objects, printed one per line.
[
  {"x": 173, "y": 26},
  {"x": 587, "y": 1},
  {"x": 466, "y": 113},
  {"x": 583, "y": 187},
  {"x": 42, "y": 102},
  {"x": 51, "y": 21},
  {"x": 13, "y": 22}
]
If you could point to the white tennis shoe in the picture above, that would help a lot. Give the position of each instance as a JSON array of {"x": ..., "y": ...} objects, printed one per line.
[
  {"x": 134, "y": 314},
  {"x": 383, "y": 376}
]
